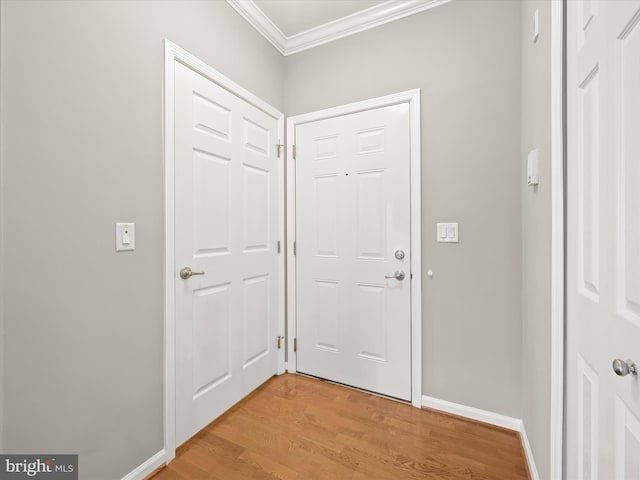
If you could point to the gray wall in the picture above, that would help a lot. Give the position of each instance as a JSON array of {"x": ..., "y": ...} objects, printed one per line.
[
  {"x": 465, "y": 56},
  {"x": 82, "y": 149},
  {"x": 536, "y": 234}
]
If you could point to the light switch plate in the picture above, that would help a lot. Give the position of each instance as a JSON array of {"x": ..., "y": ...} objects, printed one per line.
[
  {"x": 447, "y": 232},
  {"x": 125, "y": 237}
]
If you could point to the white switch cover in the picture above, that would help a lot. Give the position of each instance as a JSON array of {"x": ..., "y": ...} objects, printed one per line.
[
  {"x": 536, "y": 26},
  {"x": 125, "y": 237},
  {"x": 448, "y": 232}
]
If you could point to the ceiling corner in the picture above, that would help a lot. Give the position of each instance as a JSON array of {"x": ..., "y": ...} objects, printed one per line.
[
  {"x": 385, "y": 12},
  {"x": 263, "y": 24}
]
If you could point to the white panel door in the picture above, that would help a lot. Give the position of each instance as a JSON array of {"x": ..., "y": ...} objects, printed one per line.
[
  {"x": 226, "y": 224},
  {"x": 352, "y": 215},
  {"x": 603, "y": 238}
]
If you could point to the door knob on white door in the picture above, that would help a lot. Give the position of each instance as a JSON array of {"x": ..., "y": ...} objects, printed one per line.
[
  {"x": 398, "y": 275},
  {"x": 186, "y": 273},
  {"x": 622, "y": 368}
]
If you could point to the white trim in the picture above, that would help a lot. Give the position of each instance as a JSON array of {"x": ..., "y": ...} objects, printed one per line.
[
  {"x": 147, "y": 467},
  {"x": 291, "y": 238},
  {"x": 490, "y": 418},
  {"x": 282, "y": 230},
  {"x": 412, "y": 97},
  {"x": 409, "y": 96},
  {"x": 416, "y": 249},
  {"x": 473, "y": 413},
  {"x": 556, "y": 427},
  {"x": 380, "y": 14},
  {"x": 174, "y": 53},
  {"x": 169, "y": 255},
  {"x": 528, "y": 453}
]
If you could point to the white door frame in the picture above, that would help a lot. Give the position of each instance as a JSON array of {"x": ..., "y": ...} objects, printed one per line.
[
  {"x": 412, "y": 97},
  {"x": 556, "y": 422},
  {"x": 172, "y": 54}
]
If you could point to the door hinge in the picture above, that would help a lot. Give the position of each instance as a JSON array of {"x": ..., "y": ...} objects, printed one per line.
[
  {"x": 279, "y": 337},
  {"x": 278, "y": 246},
  {"x": 294, "y": 247},
  {"x": 294, "y": 152},
  {"x": 295, "y": 345},
  {"x": 279, "y": 148}
]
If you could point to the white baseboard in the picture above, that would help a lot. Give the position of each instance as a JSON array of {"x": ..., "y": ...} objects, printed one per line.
[
  {"x": 473, "y": 413},
  {"x": 147, "y": 467},
  {"x": 528, "y": 453},
  {"x": 491, "y": 418}
]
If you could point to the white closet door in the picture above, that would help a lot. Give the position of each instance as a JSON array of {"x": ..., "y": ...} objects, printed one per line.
[
  {"x": 603, "y": 250},
  {"x": 226, "y": 207}
]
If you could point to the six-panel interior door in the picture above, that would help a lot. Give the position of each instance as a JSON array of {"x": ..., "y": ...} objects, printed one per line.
[
  {"x": 226, "y": 211},
  {"x": 352, "y": 216},
  {"x": 603, "y": 250}
]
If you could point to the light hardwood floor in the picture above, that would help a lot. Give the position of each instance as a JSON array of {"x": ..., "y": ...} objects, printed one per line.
[{"x": 295, "y": 427}]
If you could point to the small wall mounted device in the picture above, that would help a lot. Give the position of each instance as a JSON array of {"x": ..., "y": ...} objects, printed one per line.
[{"x": 532, "y": 168}]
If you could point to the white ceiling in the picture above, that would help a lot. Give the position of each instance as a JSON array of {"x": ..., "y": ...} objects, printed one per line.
[
  {"x": 296, "y": 16},
  {"x": 296, "y": 25}
]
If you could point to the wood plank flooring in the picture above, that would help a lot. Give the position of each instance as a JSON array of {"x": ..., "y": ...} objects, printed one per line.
[{"x": 295, "y": 427}]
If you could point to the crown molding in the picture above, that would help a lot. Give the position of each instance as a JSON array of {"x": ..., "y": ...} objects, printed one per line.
[{"x": 360, "y": 21}]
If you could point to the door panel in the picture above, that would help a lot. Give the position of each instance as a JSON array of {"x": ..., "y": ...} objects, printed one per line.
[
  {"x": 588, "y": 394},
  {"x": 629, "y": 266},
  {"x": 212, "y": 176},
  {"x": 372, "y": 325},
  {"x": 352, "y": 213},
  {"x": 627, "y": 441},
  {"x": 211, "y": 361},
  {"x": 226, "y": 206},
  {"x": 603, "y": 75},
  {"x": 371, "y": 231},
  {"x": 588, "y": 178},
  {"x": 256, "y": 318},
  {"x": 256, "y": 213}
]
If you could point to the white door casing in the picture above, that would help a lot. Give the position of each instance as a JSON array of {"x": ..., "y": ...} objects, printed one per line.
[
  {"x": 354, "y": 202},
  {"x": 603, "y": 238},
  {"x": 225, "y": 217}
]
